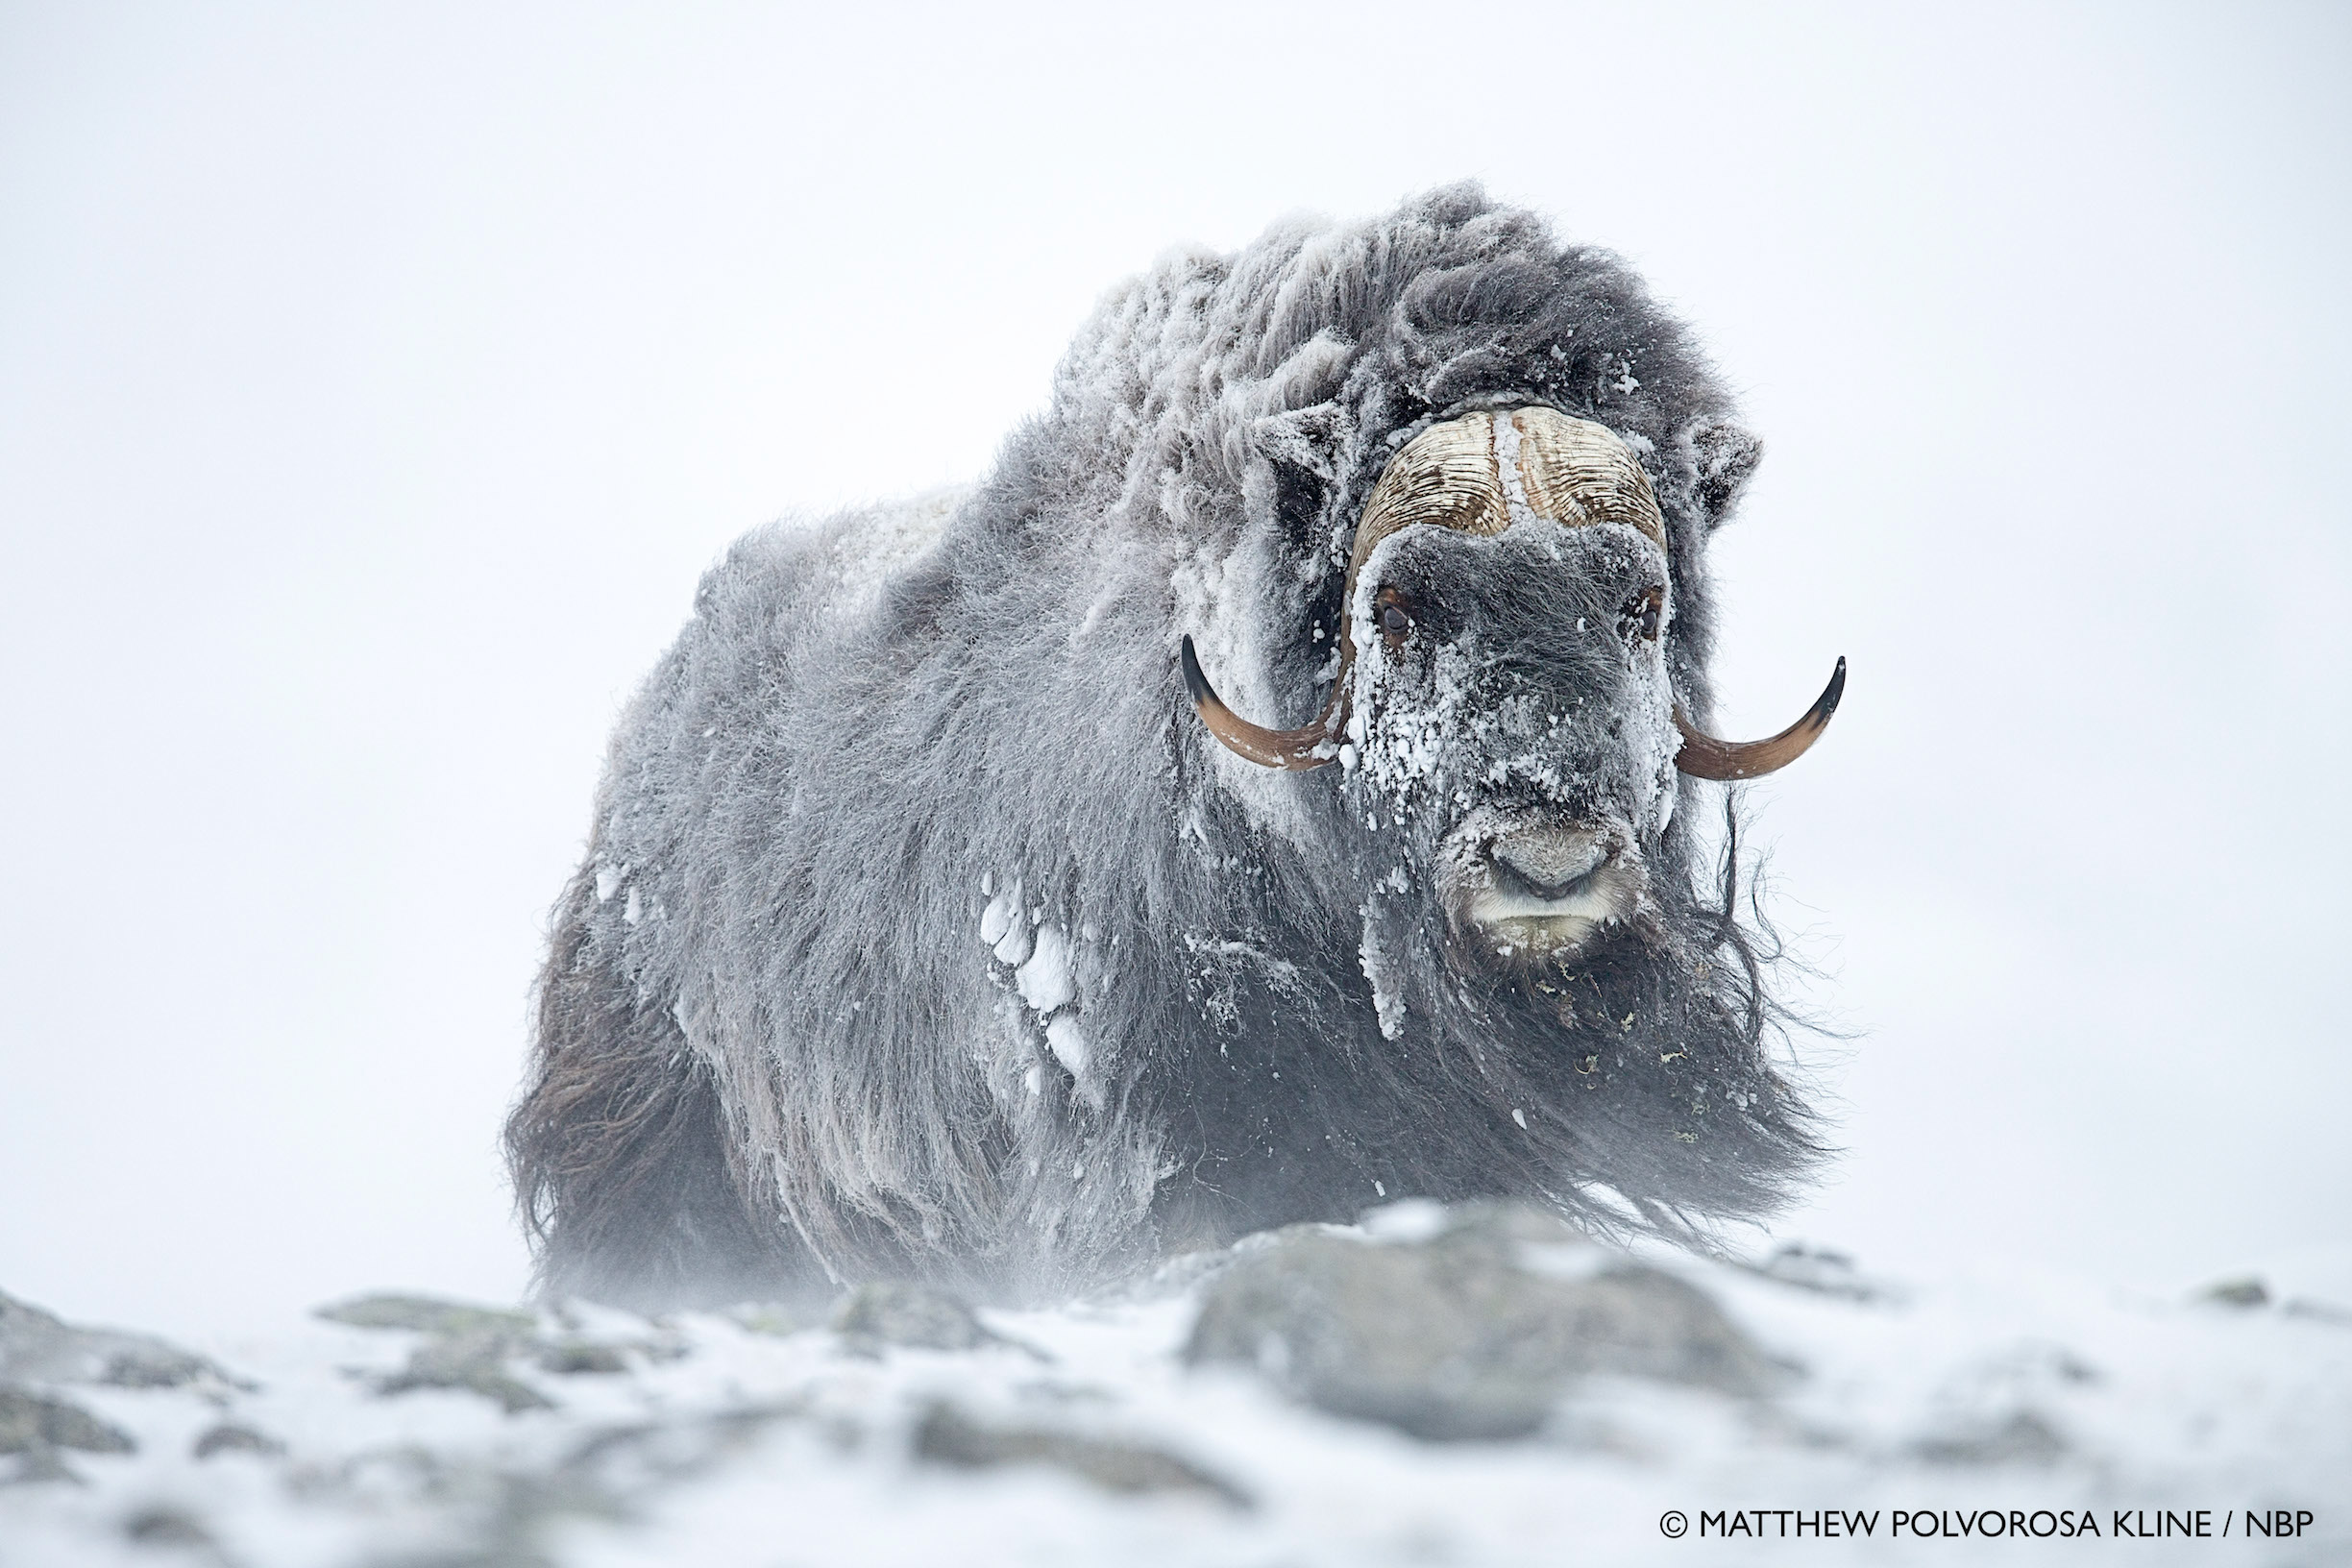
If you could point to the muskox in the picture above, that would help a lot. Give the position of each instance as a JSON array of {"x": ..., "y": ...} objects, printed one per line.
[{"x": 941, "y": 920}]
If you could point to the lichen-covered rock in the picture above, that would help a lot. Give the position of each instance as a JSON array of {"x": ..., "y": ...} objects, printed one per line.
[
  {"x": 1472, "y": 1331},
  {"x": 467, "y": 1350},
  {"x": 30, "y": 1422},
  {"x": 38, "y": 1346},
  {"x": 568, "y": 1357},
  {"x": 781, "y": 1319},
  {"x": 33, "y": 1428},
  {"x": 913, "y": 1315},
  {"x": 479, "y": 1349},
  {"x": 429, "y": 1314},
  {"x": 474, "y": 1361}
]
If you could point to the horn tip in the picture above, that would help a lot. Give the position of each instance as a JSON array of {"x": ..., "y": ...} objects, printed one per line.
[
  {"x": 1836, "y": 692},
  {"x": 1196, "y": 682}
]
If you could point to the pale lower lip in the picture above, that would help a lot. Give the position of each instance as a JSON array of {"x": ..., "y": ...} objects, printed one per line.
[
  {"x": 1541, "y": 934},
  {"x": 1591, "y": 906}
]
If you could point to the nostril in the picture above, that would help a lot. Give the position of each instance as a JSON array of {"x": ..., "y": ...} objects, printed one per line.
[
  {"x": 1518, "y": 881},
  {"x": 1550, "y": 867}
]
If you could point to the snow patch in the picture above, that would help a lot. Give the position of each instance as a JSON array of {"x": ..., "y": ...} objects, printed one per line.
[
  {"x": 1044, "y": 980},
  {"x": 998, "y": 918},
  {"x": 1003, "y": 928}
]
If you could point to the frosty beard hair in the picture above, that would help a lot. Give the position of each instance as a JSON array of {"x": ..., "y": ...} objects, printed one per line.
[
  {"x": 1615, "y": 1065},
  {"x": 1630, "y": 1127}
]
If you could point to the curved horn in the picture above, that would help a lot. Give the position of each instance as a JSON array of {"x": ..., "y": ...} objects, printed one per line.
[
  {"x": 1446, "y": 474},
  {"x": 1704, "y": 756},
  {"x": 1295, "y": 749}
]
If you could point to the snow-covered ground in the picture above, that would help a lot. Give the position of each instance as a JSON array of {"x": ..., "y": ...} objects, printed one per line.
[{"x": 1189, "y": 1422}]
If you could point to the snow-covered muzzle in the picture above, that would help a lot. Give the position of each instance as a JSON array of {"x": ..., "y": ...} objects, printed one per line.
[{"x": 1511, "y": 741}]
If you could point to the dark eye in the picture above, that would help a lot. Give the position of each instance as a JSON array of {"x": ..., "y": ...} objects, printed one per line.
[
  {"x": 1639, "y": 618},
  {"x": 1395, "y": 621}
]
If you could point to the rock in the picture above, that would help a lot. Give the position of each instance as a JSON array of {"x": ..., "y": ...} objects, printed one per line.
[
  {"x": 2318, "y": 1311},
  {"x": 35, "y": 1427},
  {"x": 779, "y": 1319},
  {"x": 40, "y": 1464},
  {"x": 429, "y": 1314},
  {"x": 470, "y": 1347},
  {"x": 163, "y": 1525},
  {"x": 1456, "y": 1335},
  {"x": 568, "y": 1358},
  {"x": 37, "y": 1346},
  {"x": 30, "y": 1421},
  {"x": 914, "y": 1315},
  {"x": 1821, "y": 1270},
  {"x": 474, "y": 1361},
  {"x": 229, "y": 1437},
  {"x": 2247, "y": 1292},
  {"x": 945, "y": 1435}
]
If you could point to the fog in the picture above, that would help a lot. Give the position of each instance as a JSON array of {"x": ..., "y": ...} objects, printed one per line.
[{"x": 376, "y": 381}]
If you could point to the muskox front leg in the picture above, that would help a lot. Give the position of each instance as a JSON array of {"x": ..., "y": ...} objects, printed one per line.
[{"x": 618, "y": 1153}]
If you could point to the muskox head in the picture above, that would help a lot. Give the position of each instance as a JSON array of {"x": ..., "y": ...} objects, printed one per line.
[{"x": 1501, "y": 708}]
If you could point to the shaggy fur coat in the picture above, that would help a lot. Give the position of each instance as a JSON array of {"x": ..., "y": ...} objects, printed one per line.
[{"x": 924, "y": 932}]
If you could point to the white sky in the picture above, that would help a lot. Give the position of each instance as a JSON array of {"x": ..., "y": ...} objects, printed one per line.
[{"x": 375, "y": 382}]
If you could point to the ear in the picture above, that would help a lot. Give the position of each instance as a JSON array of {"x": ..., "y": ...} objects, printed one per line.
[
  {"x": 1723, "y": 456},
  {"x": 1300, "y": 451},
  {"x": 1306, "y": 440}
]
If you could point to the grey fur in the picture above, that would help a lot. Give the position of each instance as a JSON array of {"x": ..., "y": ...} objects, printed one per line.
[{"x": 774, "y": 1046}]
